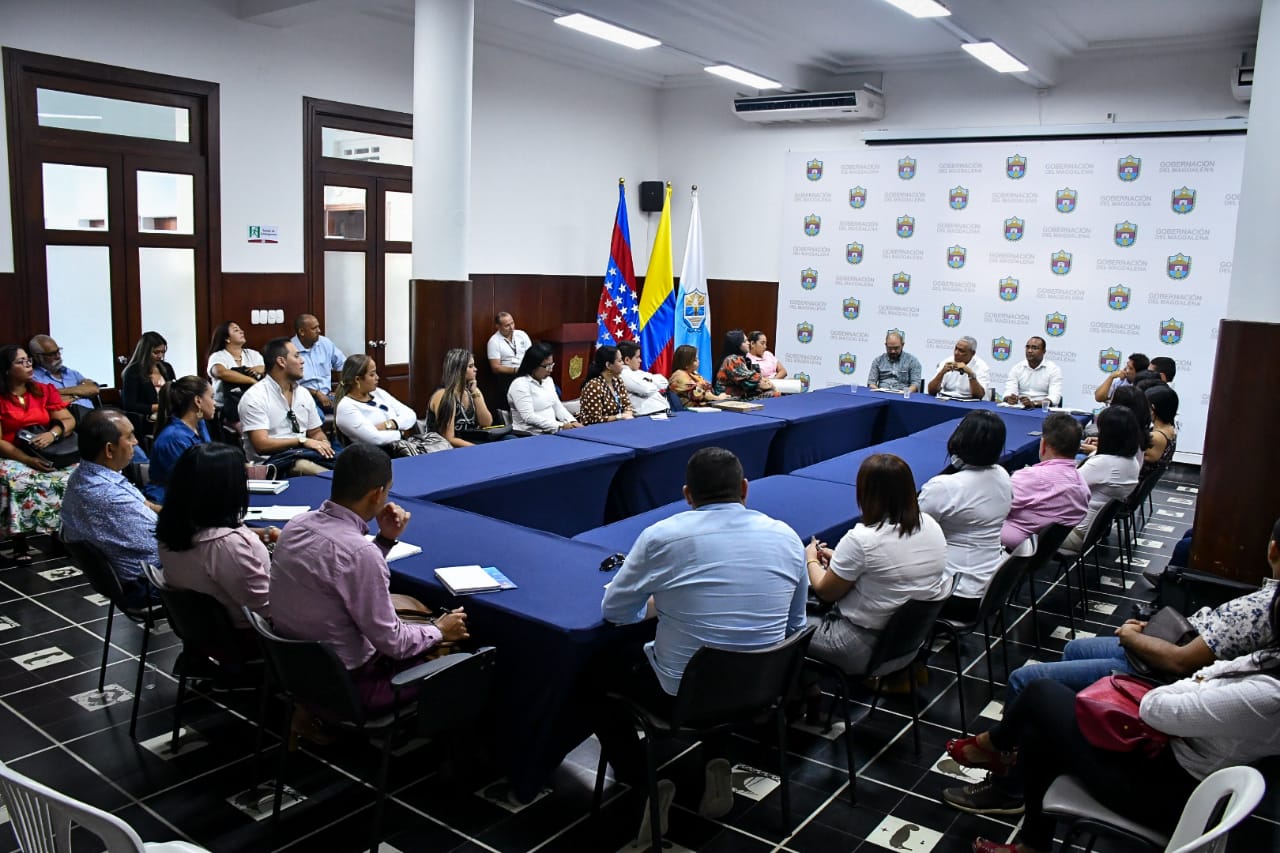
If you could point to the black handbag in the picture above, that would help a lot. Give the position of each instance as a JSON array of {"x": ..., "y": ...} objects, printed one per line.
[
  {"x": 60, "y": 454},
  {"x": 1166, "y": 624}
]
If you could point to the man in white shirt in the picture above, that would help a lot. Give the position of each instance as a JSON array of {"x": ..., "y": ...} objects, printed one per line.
[
  {"x": 647, "y": 390},
  {"x": 281, "y": 424},
  {"x": 964, "y": 376},
  {"x": 507, "y": 345},
  {"x": 1034, "y": 379}
]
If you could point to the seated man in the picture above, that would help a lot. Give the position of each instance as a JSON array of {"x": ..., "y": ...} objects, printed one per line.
[
  {"x": 647, "y": 390},
  {"x": 1034, "y": 379},
  {"x": 320, "y": 357},
  {"x": 281, "y": 426},
  {"x": 77, "y": 391},
  {"x": 105, "y": 510},
  {"x": 1239, "y": 627},
  {"x": 1166, "y": 367},
  {"x": 330, "y": 583},
  {"x": 1050, "y": 492},
  {"x": 1122, "y": 377},
  {"x": 895, "y": 370},
  {"x": 964, "y": 376},
  {"x": 717, "y": 575}
]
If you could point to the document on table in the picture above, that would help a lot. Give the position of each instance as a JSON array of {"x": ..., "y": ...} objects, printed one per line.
[
  {"x": 274, "y": 513},
  {"x": 465, "y": 580},
  {"x": 398, "y": 551},
  {"x": 267, "y": 487}
]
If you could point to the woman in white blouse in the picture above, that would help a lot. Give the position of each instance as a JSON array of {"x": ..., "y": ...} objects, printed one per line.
[
  {"x": 231, "y": 362},
  {"x": 535, "y": 406},
  {"x": 365, "y": 413},
  {"x": 1112, "y": 471}
]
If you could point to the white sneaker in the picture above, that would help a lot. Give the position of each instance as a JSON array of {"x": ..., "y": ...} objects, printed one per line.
[
  {"x": 666, "y": 793},
  {"x": 717, "y": 796}
]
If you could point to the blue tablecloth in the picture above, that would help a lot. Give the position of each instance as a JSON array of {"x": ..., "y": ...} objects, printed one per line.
[
  {"x": 820, "y": 427},
  {"x": 809, "y": 507},
  {"x": 308, "y": 491},
  {"x": 906, "y": 416},
  {"x": 926, "y": 456},
  {"x": 662, "y": 449},
  {"x": 539, "y": 482}
]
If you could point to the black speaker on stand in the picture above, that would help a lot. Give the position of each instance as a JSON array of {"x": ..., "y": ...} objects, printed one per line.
[{"x": 651, "y": 196}]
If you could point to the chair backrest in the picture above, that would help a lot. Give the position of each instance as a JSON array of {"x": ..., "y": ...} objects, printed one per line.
[
  {"x": 673, "y": 399},
  {"x": 458, "y": 692},
  {"x": 1002, "y": 585},
  {"x": 1242, "y": 787},
  {"x": 1101, "y": 524},
  {"x": 42, "y": 817},
  {"x": 1048, "y": 541},
  {"x": 905, "y": 633},
  {"x": 723, "y": 685},
  {"x": 309, "y": 672},
  {"x": 1144, "y": 489},
  {"x": 102, "y": 577},
  {"x": 199, "y": 620}
]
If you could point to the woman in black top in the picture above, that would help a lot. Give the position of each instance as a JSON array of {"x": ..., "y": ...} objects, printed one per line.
[{"x": 145, "y": 374}]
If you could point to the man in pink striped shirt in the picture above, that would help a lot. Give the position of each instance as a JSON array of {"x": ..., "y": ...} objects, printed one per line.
[{"x": 1051, "y": 492}]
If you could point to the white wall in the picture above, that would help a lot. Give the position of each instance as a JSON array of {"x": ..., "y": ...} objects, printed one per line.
[{"x": 738, "y": 167}]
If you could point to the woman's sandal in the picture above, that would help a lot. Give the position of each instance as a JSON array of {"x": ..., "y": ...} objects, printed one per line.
[
  {"x": 968, "y": 753},
  {"x": 983, "y": 845}
]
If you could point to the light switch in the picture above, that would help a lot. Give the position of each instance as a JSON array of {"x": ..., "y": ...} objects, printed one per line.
[{"x": 255, "y": 317}]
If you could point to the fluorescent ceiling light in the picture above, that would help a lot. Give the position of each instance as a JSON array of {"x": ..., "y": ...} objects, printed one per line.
[
  {"x": 594, "y": 27},
  {"x": 995, "y": 56},
  {"x": 921, "y": 8},
  {"x": 746, "y": 78}
]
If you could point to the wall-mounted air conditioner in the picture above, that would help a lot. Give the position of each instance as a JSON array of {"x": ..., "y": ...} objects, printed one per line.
[{"x": 863, "y": 104}]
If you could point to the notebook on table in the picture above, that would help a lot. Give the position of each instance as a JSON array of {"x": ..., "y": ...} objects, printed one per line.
[{"x": 468, "y": 580}]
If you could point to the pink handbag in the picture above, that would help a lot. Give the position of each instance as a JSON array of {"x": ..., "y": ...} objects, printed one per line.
[{"x": 1107, "y": 713}]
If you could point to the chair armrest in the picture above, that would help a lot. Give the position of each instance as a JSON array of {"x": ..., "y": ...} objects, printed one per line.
[{"x": 424, "y": 671}]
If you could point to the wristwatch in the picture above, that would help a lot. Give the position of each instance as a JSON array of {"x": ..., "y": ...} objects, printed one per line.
[{"x": 302, "y": 439}]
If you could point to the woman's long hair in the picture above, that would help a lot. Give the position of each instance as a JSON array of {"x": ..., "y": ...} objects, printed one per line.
[
  {"x": 601, "y": 360},
  {"x": 887, "y": 493},
  {"x": 352, "y": 369},
  {"x": 177, "y": 397},
  {"x": 207, "y": 488},
  {"x": 454, "y": 383},
  {"x": 142, "y": 352},
  {"x": 733, "y": 340},
  {"x": 8, "y": 355}
]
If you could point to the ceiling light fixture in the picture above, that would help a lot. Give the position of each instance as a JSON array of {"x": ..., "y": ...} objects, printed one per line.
[
  {"x": 746, "y": 78},
  {"x": 995, "y": 56},
  {"x": 595, "y": 27},
  {"x": 921, "y": 8}
]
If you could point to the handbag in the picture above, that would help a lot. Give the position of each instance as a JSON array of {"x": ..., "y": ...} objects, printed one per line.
[
  {"x": 1107, "y": 713},
  {"x": 60, "y": 454},
  {"x": 1166, "y": 624}
]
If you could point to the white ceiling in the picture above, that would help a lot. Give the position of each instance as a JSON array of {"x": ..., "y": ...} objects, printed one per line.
[{"x": 817, "y": 44}]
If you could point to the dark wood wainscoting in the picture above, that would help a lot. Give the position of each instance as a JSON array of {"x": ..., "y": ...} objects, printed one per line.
[
  {"x": 242, "y": 292},
  {"x": 11, "y": 319}
]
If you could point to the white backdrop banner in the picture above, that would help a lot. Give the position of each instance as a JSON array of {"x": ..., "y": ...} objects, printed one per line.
[{"x": 1102, "y": 247}]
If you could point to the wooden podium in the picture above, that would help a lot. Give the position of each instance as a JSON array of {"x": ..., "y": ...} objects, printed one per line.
[{"x": 572, "y": 344}]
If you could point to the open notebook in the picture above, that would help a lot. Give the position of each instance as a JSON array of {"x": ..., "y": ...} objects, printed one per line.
[{"x": 466, "y": 580}]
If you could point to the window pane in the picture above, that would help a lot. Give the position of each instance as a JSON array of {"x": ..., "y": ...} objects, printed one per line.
[
  {"x": 167, "y": 280},
  {"x": 370, "y": 147},
  {"x": 94, "y": 114},
  {"x": 344, "y": 300},
  {"x": 344, "y": 213},
  {"x": 400, "y": 216},
  {"x": 164, "y": 203},
  {"x": 75, "y": 197},
  {"x": 80, "y": 308},
  {"x": 398, "y": 267}
]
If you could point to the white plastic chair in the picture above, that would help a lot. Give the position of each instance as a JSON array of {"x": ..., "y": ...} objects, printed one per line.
[
  {"x": 1243, "y": 786},
  {"x": 42, "y": 819}
]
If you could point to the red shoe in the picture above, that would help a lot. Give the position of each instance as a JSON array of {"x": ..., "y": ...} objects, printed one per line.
[
  {"x": 967, "y": 753},
  {"x": 983, "y": 845}
]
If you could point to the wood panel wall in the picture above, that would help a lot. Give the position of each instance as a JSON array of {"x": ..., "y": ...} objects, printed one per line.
[{"x": 11, "y": 319}]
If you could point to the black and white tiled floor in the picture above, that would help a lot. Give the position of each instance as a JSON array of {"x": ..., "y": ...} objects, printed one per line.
[{"x": 56, "y": 727}]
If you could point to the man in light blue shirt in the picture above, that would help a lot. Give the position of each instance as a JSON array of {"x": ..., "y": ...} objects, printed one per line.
[
  {"x": 320, "y": 356},
  {"x": 77, "y": 391},
  {"x": 717, "y": 575},
  {"x": 895, "y": 370}
]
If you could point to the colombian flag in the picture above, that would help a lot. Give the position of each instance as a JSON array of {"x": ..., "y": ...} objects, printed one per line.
[{"x": 658, "y": 301}]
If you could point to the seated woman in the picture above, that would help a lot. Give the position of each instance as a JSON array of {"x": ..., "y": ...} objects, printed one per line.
[
  {"x": 1222, "y": 716},
  {"x": 1112, "y": 471},
  {"x": 765, "y": 361},
  {"x": 1135, "y": 400},
  {"x": 685, "y": 382},
  {"x": 895, "y": 554},
  {"x": 970, "y": 500},
  {"x": 143, "y": 377},
  {"x": 535, "y": 405},
  {"x": 203, "y": 543},
  {"x": 737, "y": 376},
  {"x": 604, "y": 397},
  {"x": 185, "y": 404},
  {"x": 366, "y": 414},
  {"x": 1164, "y": 435},
  {"x": 31, "y": 488},
  {"x": 457, "y": 409},
  {"x": 232, "y": 367}
]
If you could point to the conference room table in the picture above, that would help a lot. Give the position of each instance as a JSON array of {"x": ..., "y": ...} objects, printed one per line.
[
  {"x": 541, "y": 482},
  {"x": 819, "y": 427},
  {"x": 660, "y": 450},
  {"x": 925, "y": 454},
  {"x": 809, "y": 507}
]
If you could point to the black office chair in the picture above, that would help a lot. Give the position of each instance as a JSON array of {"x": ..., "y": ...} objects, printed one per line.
[
  {"x": 1133, "y": 516},
  {"x": 903, "y": 637},
  {"x": 1048, "y": 541},
  {"x": 211, "y": 643},
  {"x": 452, "y": 690},
  {"x": 104, "y": 581},
  {"x": 673, "y": 399},
  {"x": 1098, "y": 530},
  {"x": 997, "y": 595},
  {"x": 719, "y": 689}
]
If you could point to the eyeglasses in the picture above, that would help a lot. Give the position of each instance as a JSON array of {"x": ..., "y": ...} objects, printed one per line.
[
  {"x": 548, "y": 365},
  {"x": 293, "y": 421},
  {"x": 50, "y": 353},
  {"x": 26, "y": 362}
]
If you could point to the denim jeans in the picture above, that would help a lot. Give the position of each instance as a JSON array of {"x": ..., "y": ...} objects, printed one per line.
[{"x": 1083, "y": 662}]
